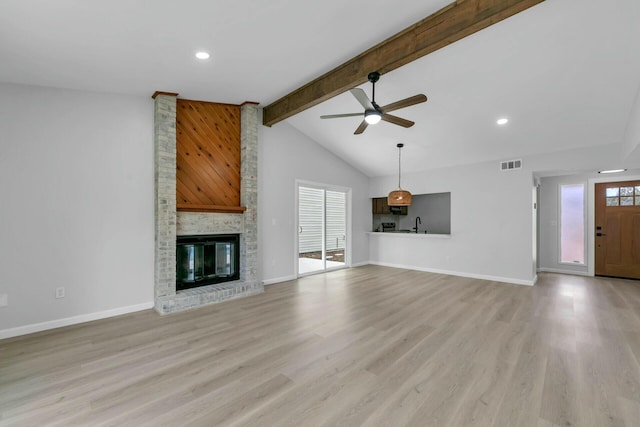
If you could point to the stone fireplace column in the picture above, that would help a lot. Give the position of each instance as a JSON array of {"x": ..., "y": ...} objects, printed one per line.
[
  {"x": 249, "y": 190},
  {"x": 165, "y": 194}
]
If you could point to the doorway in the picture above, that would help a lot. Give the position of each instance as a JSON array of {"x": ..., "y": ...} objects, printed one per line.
[
  {"x": 617, "y": 229},
  {"x": 322, "y": 229}
]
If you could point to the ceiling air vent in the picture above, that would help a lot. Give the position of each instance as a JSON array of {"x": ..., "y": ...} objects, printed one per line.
[{"x": 511, "y": 164}]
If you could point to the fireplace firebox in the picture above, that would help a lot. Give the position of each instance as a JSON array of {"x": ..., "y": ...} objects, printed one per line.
[{"x": 205, "y": 260}]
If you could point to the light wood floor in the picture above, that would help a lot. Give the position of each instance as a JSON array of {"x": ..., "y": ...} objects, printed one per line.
[{"x": 369, "y": 346}]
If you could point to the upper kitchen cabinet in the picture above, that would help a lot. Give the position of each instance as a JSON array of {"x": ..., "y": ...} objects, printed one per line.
[{"x": 380, "y": 206}]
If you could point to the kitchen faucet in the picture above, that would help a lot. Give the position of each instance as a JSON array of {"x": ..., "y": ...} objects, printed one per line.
[{"x": 418, "y": 220}]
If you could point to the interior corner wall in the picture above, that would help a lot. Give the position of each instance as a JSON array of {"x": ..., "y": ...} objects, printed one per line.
[
  {"x": 550, "y": 223},
  {"x": 631, "y": 140},
  {"x": 287, "y": 155},
  {"x": 550, "y": 218},
  {"x": 571, "y": 167},
  {"x": 76, "y": 206},
  {"x": 491, "y": 224}
]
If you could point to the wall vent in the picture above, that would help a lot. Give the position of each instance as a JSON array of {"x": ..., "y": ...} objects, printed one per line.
[{"x": 511, "y": 164}]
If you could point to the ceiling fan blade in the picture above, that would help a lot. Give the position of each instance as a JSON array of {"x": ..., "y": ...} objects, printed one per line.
[
  {"x": 336, "y": 116},
  {"x": 412, "y": 100},
  {"x": 362, "y": 98},
  {"x": 361, "y": 128},
  {"x": 397, "y": 120}
]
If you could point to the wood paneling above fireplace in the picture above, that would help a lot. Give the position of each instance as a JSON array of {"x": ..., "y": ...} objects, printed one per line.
[{"x": 208, "y": 157}]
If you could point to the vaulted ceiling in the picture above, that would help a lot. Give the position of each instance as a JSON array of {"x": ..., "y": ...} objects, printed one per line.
[{"x": 565, "y": 72}]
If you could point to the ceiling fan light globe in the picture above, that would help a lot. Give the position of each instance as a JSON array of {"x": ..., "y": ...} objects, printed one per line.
[{"x": 372, "y": 117}]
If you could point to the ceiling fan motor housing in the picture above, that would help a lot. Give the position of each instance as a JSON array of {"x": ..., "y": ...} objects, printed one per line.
[{"x": 373, "y": 113}]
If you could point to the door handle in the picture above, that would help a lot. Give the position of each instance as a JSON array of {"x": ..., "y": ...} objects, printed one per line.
[{"x": 600, "y": 234}]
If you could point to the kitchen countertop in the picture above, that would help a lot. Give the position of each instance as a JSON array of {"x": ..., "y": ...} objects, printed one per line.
[{"x": 410, "y": 235}]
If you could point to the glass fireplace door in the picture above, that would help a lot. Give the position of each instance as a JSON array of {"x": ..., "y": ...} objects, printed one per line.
[
  {"x": 190, "y": 263},
  {"x": 224, "y": 259},
  {"x": 204, "y": 260}
]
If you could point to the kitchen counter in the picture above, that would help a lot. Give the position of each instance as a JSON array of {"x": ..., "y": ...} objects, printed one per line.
[{"x": 409, "y": 235}]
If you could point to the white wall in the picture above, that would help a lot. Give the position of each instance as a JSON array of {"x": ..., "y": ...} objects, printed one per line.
[
  {"x": 492, "y": 221},
  {"x": 76, "y": 205},
  {"x": 287, "y": 155},
  {"x": 491, "y": 230}
]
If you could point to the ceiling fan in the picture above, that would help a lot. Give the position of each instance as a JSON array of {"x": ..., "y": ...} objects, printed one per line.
[{"x": 373, "y": 113}]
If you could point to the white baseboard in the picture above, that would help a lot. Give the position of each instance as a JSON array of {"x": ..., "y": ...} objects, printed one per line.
[
  {"x": 268, "y": 282},
  {"x": 460, "y": 274},
  {"x": 561, "y": 271},
  {"x": 278, "y": 280},
  {"x": 58, "y": 323},
  {"x": 360, "y": 264},
  {"x": 428, "y": 270}
]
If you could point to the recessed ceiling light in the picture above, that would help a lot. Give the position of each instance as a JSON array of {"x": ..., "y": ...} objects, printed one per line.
[
  {"x": 202, "y": 55},
  {"x": 503, "y": 121},
  {"x": 612, "y": 171}
]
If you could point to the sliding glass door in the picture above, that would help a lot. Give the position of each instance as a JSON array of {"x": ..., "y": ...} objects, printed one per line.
[
  {"x": 310, "y": 230},
  {"x": 322, "y": 229}
]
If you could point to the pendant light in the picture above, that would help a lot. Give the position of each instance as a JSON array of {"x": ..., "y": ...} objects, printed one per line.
[{"x": 399, "y": 197}]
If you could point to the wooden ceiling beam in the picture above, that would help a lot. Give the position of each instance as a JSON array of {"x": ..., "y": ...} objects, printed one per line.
[{"x": 450, "y": 24}]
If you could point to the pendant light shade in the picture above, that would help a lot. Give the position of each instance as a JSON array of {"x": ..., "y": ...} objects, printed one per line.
[{"x": 399, "y": 197}]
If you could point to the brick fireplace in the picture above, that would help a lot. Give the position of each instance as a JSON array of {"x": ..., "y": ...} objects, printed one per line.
[{"x": 169, "y": 223}]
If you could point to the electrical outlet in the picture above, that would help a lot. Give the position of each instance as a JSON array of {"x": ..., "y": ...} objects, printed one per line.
[
  {"x": 60, "y": 292},
  {"x": 4, "y": 300}
]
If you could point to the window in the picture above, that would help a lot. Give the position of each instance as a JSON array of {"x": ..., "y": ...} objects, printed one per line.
[
  {"x": 623, "y": 196},
  {"x": 572, "y": 223}
]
